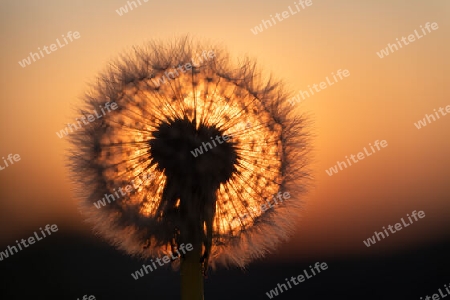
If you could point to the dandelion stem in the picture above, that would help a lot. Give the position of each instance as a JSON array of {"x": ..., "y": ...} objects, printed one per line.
[{"x": 191, "y": 275}]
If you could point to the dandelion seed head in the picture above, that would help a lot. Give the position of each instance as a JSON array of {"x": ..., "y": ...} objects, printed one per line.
[{"x": 154, "y": 129}]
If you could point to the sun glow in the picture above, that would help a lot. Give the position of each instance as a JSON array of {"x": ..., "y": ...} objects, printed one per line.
[{"x": 212, "y": 101}]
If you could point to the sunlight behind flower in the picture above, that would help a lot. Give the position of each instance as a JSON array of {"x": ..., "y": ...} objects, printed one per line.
[
  {"x": 155, "y": 130},
  {"x": 214, "y": 103}
]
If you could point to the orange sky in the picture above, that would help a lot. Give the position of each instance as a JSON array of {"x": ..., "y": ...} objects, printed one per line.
[{"x": 380, "y": 100}]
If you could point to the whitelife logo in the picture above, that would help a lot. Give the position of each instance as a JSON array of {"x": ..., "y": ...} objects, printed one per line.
[
  {"x": 436, "y": 296},
  {"x": 360, "y": 156},
  {"x": 85, "y": 297},
  {"x": 124, "y": 9},
  {"x": 31, "y": 240},
  {"x": 398, "y": 227},
  {"x": 300, "y": 278},
  {"x": 284, "y": 15},
  {"x": 165, "y": 260},
  {"x": 71, "y": 36},
  {"x": 281, "y": 197},
  {"x": 411, "y": 38},
  {"x": 62, "y": 133},
  {"x": 197, "y": 151},
  {"x": 323, "y": 85},
  {"x": 10, "y": 158},
  {"x": 128, "y": 189},
  {"x": 423, "y": 123}
]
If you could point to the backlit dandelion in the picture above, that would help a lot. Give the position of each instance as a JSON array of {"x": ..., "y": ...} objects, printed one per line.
[{"x": 173, "y": 98}]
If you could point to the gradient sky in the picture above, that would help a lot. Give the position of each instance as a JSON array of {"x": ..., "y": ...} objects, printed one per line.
[{"x": 380, "y": 100}]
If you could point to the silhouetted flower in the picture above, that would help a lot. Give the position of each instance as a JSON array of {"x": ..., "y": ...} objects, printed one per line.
[{"x": 191, "y": 199}]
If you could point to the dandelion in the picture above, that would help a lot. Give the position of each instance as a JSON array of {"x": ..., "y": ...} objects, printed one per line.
[{"x": 191, "y": 199}]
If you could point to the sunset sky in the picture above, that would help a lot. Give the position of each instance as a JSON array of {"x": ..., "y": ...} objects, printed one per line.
[{"x": 381, "y": 99}]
